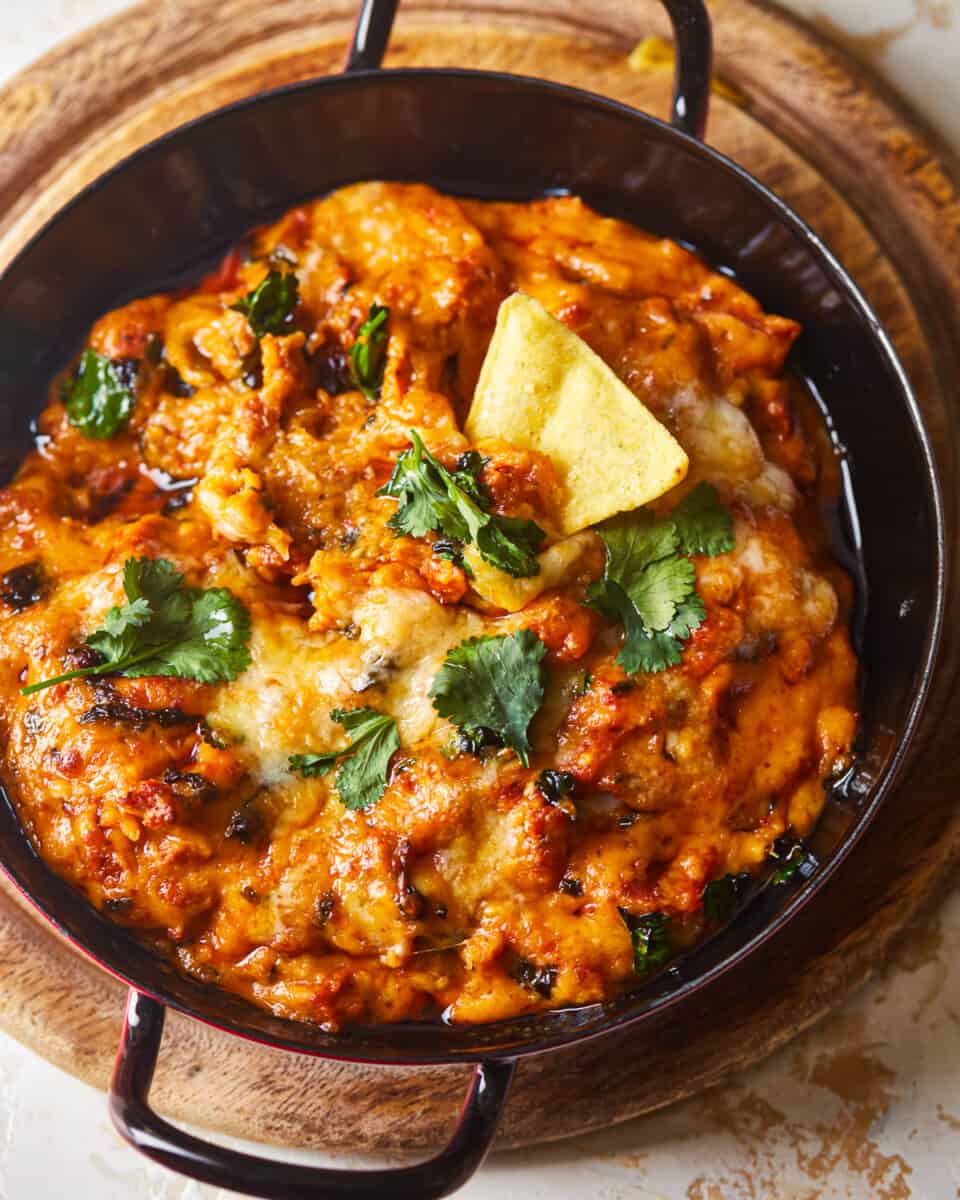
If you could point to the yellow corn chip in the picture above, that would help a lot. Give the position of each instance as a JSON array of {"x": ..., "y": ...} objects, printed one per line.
[{"x": 542, "y": 388}]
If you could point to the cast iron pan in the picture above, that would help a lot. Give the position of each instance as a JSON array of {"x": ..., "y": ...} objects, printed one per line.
[{"x": 188, "y": 196}]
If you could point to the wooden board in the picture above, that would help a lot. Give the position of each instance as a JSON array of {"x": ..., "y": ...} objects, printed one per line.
[{"x": 870, "y": 179}]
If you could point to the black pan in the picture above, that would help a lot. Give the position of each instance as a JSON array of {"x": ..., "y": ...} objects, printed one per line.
[{"x": 185, "y": 198}]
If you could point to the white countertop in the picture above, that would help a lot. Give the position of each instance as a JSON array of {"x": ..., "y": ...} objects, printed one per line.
[{"x": 865, "y": 1107}]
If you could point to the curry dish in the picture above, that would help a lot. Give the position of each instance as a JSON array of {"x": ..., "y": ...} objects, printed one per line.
[{"x": 305, "y": 746}]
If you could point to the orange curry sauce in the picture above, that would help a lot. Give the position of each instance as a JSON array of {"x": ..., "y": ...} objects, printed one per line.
[{"x": 463, "y": 872}]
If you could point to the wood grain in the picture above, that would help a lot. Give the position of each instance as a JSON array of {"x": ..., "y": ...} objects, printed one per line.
[{"x": 829, "y": 138}]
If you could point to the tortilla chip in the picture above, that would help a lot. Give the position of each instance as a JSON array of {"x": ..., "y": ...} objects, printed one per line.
[{"x": 542, "y": 388}]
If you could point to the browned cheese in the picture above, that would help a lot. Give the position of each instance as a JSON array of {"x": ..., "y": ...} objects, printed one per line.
[{"x": 430, "y": 900}]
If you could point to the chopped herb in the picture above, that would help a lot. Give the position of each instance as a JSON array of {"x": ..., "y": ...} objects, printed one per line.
[
  {"x": 721, "y": 896},
  {"x": 269, "y": 307},
  {"x": 246, "y": 824},
  {"x": 649, "y": 582},
  {"x": 22, "y": 586},
  {"x": 432, "y": 499},
  {"x": 537, "y": 979},
  {"x": 585, "y": 684},
  {"x": 364, "y": 764},
  {"x": 652, "y": 943},
  {"x": 493, "y": 683},
  {"x": 166, "y": 628},
  {"x": 99, "y": 397},
  {"x": 792, "y": 856},
  {"x": 553, "y": 786},
  {"x": 368, "y": 355},
  {"x": 570, "y": 885}
]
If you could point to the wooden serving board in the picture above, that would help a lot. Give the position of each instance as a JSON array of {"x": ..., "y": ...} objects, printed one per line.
[{"x": 840, "y": 148}]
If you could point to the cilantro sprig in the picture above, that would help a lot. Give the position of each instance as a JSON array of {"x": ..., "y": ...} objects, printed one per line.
[
  {"x": 364, "y": 764},
  {"x": 270, "y": 305},
  {"x": 494, "y": 683},
  {"x": 98, "y": 397},
  {"x": 649, "y": 582},
  {"x": 456, "y": 505},
  {"x": 368, "y": 354},
  {"x": 166, "y": 628}
]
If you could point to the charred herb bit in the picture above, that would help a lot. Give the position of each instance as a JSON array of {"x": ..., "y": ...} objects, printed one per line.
[
  {"x": 211, "y": 737},
  {"x": 189, "y": 785},
  {"x": 269, "y": 307},
  {"x": 323, "y": 908},
  {"x": 475, "y": 741},
  {"x": 368, "y": 355},
  {"x": 22, "y": 586},
  {"x": 570, "y": 885},
  {"x": 452, "y": 551},
  {"x": 793, "y": 858},
  {"x": 118, "y": 906},
  {"x": 627, "y": 819},
  {"x": 330, "y": 369},
  {"x": 650, "y": 935},
  {"x": 553, "y": 786},
  {"x": 112, "y": 709},
  {"x": 537, "y": 979},
  {"x": 584, "y": 684},
  {"x": 83, "y": 656},
  {"x": 431, "y": 499},
  {"x": 166, "y": 628},
  {"x": 364, "y": 764},
  {"x": 721, "y": 896},
  {"x": 246, "y": 824},
  {"x": 558, "y": 788},
  {"x": 99, "y": 397}
]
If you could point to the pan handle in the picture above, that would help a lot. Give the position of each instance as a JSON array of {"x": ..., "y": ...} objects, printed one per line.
[
  {"x": 149, "y": 1133},
  {"x": 691, "y": 35}
]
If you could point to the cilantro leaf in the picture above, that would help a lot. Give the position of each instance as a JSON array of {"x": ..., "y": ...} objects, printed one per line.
[
  {"x": 269, "y": 307},
  {"x": 651, "y": 938},
  {"x": 703, "y": 524},
  {"x": 98, "y": 398},
  {"x": 432, "y": 499},
  {"x": 721, "y": 896},
  {"x": 166, "y": 628},
  {"x": 368, "y": 355},
  {"x": 365, "y": 763},
  {"x": 649, "y": 582},
  {"x": 511, "y": 543},
  {"x": 493, "y": 683}
]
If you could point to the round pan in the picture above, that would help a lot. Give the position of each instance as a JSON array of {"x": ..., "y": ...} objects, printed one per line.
[{"x": 188, "y": 196}]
